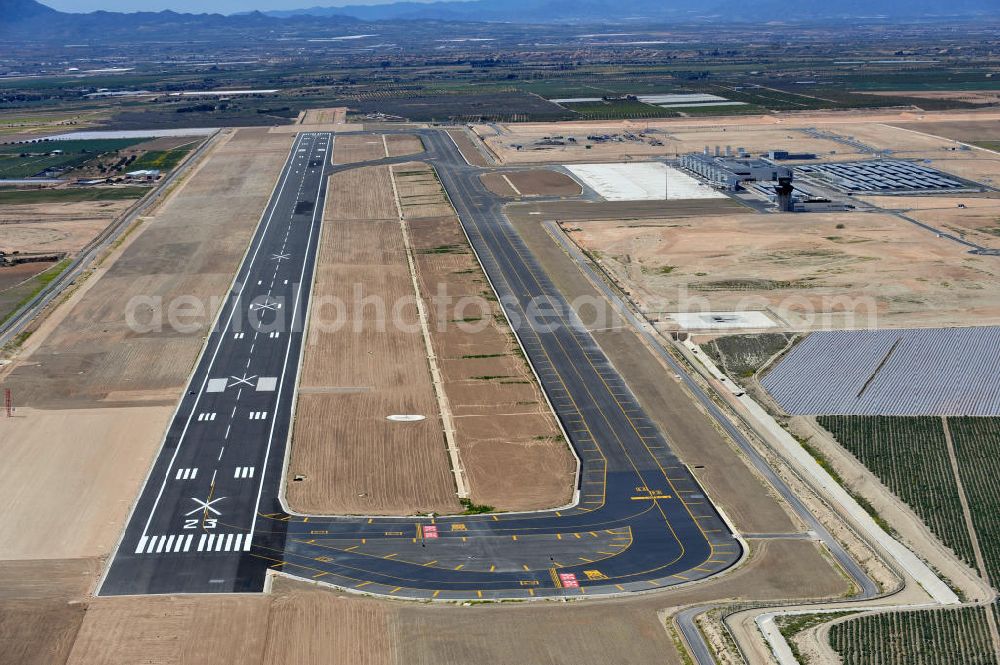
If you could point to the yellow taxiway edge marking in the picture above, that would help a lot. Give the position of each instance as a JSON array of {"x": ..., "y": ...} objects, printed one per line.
[
  {"x": 435, "y": 594},
  {"x": 363, "y": 584},
  {"x": 525, "y": 566},
  {"x": 582, "y": 558},
  {"x": 514, "y": 537},
  {"x": 576, "y": 535},
  {"x": 460, "y": 566},
  {"x": 495, "y": 518},
  {"x": 352, "y": 547},
  {"x": 619, "y": 587},
  {"x": 305, "y": 519},
  {"x": 681, "y": 577},
  {"x": 479, "y": 594},
  {"x": 531, "y": 592},
  {"x": 558, "y": 536},
  {"x": 492, "y": 568},
  {"x": 320, "y": 575},
  {"x": 396, "y": 589},
  {"x": 431, "y": 563},
  {"x": 371, "y": 519},
  {"x": 389, "y": 556}
]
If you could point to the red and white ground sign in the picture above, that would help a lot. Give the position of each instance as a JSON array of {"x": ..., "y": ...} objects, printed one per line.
[
  {"x": 568, "y": 580},
  {"x": 430, "y": 531}
]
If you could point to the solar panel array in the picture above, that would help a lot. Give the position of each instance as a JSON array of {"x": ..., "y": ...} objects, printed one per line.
[
  {"x": 883, "y": 176},
  {"x": 935, "y": 372}
]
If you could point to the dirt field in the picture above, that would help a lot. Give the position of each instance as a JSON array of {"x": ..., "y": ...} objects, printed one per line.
[
  {"x": 374, "y": 366},
  {"x": 352, "y": 149},
  {"x": 330, "y": 116},
  {"x": 55, "y": 227},
  {"x": 301, "y": 623},
  {"x": 468, "y": 148},
  {"x": 512, "y": 450},
  {"x": 961, "y": 130},
  {"x": 420, "y": 191},
  {"x": 537, "y": 182},
  {"x": 978, "y": 221},
  {"x": 403, "y": 144},
  {"x": 802, "y": 269},
  {"x": 11, "y": 276}
]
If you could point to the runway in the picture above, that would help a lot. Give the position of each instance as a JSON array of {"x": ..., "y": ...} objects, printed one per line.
[{"x": 641, "y": 522}]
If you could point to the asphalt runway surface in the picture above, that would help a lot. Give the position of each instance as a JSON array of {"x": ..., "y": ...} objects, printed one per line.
[{"x": 641, "y": 521}]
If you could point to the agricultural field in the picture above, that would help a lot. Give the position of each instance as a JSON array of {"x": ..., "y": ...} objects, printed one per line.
[
  {"x": 910, "y": 456},
  {"x": 928, "y": 637},
  {"x": 618, "y": 110},
  {"x": 69, "y": 195},
  {"x": 977, "y": 449},
  {"x": 164, "y": 160},
  {"x": 32, "y": 159},
  {"x": 739, "y": 356}
]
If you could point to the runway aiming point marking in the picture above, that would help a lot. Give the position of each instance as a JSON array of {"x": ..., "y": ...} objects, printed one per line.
[{"x": 430, "y": 531}]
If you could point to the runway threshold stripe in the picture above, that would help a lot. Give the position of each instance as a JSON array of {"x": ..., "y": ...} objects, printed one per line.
[{"x": 142, "y": 545}]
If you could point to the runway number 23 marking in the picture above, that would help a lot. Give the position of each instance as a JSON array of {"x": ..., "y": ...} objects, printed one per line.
[{"x": 207, "y": 523}]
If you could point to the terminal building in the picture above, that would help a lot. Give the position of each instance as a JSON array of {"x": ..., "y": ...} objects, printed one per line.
[{"x": 730, "y": 172}]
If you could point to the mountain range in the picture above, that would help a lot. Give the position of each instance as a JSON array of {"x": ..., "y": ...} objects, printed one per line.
[{"x": 31, "y": 20}]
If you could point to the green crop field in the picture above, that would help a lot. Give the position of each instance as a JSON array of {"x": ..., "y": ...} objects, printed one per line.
[
  {"x": 29, "y": 196},
  {"x": 910, "y": 456},
  {"x": 619, "y": 110},
  {"x": 163, "y": 160},
  {"x": 926, "y": 637},
  {"x": 977, "y": 447},
  {"x": 742, "y": 355}
]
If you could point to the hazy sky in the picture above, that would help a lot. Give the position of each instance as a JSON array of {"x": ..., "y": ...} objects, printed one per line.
[{"x": 197, "y": 6}]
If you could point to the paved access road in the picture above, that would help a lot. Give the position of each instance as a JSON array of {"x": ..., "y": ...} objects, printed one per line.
[{"x": 641, "y": 521}]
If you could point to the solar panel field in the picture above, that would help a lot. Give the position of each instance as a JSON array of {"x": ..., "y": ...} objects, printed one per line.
[
  {"x": 910, "y": 457},
  {"x": 930, "y": 371},
  {"x": 929, "y": 637}
]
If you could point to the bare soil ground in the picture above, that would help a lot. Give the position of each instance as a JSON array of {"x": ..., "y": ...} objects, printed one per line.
[
  {"x": 357, "y": 148},
  {"x": 190, "y": 248},
  {"x": 55, "y": 227},
  {"x": 369, "y": 366},
  {"x": 330, "y": 116},
  {"x": 537, "y": 182},
  {"x": 11, "y": 276},
  {"x": 361, "y": 194},
  {"x": 79, "y": 468},
  {"x": 624, "y": 211},
  {"x": 302, "y": 623},
  {"x": 403, "y": 144},
  {"x": 496, "y": 183},
  {"x": 968, "y": 96},
  {"x": 978, "y": 221},
  {"x": 802, "y": 268},
  {"x": 467, "y": 147},
  {"x": 960, "y": 130},
  {"x": 513, "y": 453},
  {"x": 420, "y": 192}
]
